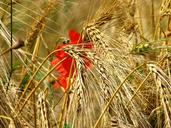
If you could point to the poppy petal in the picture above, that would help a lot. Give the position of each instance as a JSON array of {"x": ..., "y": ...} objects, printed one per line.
[
  {"x": 64, "y": 68},
  {"x": 74, "y": 36},
  {"x": 63, "y": 82},
  {"x": 56, "y": 85},
  {"x": 61, "y": 54},
  {"x": 54, "y": 62}
]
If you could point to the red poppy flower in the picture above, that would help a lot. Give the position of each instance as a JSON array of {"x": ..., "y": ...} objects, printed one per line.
[{"x": 64, "y": 69}]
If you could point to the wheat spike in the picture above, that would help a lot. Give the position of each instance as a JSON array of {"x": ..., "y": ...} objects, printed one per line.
[
  {"x": 78, "y": 98},
  {"x": 163, "y": 84},
  {"x": 110, "y": 84},
  {"x": 113, "y": 63},
  {"x": 42, "y": 111},
  {"x": 165, "y": 8}
]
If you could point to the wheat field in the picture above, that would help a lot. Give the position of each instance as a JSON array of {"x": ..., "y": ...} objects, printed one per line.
[{"x": 85, "y": 64}]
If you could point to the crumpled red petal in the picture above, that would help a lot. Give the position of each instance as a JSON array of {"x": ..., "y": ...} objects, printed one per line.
[
  {"x": 61, "y": 82},
  {"x": 64, "y": 68},
  {"x": 61, "y": 54},
  {"x": 74, "y": 36}
]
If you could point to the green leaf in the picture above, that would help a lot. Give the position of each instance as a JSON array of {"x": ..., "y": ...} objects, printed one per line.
[
  {"x": 15, "y": 65},
  {"x": 24, "y": 81},
  {"x": 67, "y": 126}
]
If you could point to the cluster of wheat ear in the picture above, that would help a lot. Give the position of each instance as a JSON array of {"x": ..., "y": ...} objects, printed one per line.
[{"x": 128, "y": 84}]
